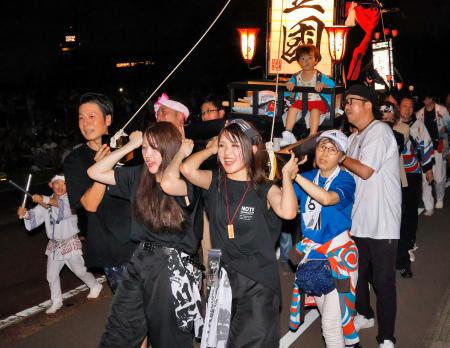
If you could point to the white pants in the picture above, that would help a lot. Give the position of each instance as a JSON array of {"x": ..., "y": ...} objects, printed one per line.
[
  {"x": 330, "y": 311},
  {"x": 76, "y": 265},
  {"x": 440, "y": 178}
]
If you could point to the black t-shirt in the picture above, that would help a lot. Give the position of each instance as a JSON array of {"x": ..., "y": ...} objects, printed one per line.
[
  {"x": 256, "y": 230},
  {"x": 127, "y": 181},
  {"x": 108, "y": 240},
  {"x": 431, "y": 124}
]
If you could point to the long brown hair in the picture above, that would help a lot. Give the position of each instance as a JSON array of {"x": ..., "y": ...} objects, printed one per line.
[
  {"x": 247, "y": 136},
  {"x": 152, "y": 207}
]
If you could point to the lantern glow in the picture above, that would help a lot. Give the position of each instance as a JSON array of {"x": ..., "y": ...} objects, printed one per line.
[
  {"x": 337, "y": 41},
  {"x": 248, "y": 43}
]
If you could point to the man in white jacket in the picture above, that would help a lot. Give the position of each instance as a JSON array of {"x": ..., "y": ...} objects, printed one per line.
[
  {"x": 64, "y": 247},
  {"x": 436, "y": 118}
]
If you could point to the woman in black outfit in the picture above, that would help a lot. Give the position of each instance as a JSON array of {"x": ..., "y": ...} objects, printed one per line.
[{"x": 159, "y": 295}]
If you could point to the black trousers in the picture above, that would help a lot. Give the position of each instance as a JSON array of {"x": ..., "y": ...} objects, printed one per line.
[
  {"x": 408, "y": 228},
  {"x": 377, "y": 265},
  {"x": 143, "y": 306},
  {"x": 255, "y": 314}
]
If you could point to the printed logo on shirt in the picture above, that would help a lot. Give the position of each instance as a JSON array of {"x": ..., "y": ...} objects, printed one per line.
[{"x": 246, "y": 213}]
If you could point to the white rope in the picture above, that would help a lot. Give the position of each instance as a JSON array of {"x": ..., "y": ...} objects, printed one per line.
[{"x": 121, "y": 131}]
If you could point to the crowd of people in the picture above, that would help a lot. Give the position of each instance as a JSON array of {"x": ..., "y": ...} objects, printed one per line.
[{"x": 147, "y": 220}]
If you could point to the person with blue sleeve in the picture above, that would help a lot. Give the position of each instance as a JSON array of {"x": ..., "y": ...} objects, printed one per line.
[{"x": 327, "y": 254}]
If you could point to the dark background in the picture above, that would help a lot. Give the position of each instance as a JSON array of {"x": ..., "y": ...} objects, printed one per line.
[
  {"x": 163, "y": 31},
  {"x": 40, "y": 86}
]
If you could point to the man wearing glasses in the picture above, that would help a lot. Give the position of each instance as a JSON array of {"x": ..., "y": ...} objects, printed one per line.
[
  {"x": 211, "y": 109},
  {"x": 373, "y": 158}
]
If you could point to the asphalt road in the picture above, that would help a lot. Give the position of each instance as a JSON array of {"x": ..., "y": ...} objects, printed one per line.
[{"x": 422, "y": 300}]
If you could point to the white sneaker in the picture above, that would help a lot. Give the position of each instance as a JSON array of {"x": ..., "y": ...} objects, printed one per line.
[
  {"x": 54, "y": 307},
  {"x": 288, "y": 138},
  {"x": 428, "y": 212},
  {"x": 95, "y": 291},
  {"x": 439, "y": 204},
  {"x": 361, "y": 322},
  {"x": 412, "y": 257},
  {"x": 387, "y": 344}
]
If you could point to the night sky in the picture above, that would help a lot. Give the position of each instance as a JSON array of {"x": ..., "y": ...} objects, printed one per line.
[{"x": 30, "y": 33}]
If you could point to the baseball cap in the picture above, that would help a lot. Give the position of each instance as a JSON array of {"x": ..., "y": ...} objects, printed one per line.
[
  {"x": 172, "y": 104},
  {"x": 339, "y": 138},
  {"x": 367, "y": 93}
]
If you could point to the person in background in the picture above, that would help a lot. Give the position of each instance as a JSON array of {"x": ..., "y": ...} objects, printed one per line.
[
  {"x": 167, "y": 110},
  {"x": 436, "y": 119},
  {"x": 64, "y": 246},
  {"x": 373, "y": 159},
  {"x": 106, "y": 218},
  {"x": 417, "y": 157},
  {"x": 211, "y": 108}
]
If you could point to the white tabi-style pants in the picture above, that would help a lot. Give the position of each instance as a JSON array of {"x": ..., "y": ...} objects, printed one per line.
[
  {"x": 76, "y": 265},
  {"x": 330, "y": 311},
  {"x": 440, "y": 178}
]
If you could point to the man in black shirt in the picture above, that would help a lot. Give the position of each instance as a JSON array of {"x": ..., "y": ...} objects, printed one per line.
[{"x": 105, "y": 218}]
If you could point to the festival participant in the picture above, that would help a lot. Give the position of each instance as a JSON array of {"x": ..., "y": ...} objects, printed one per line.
[
  {"x": 105, "y": 218},
  {"x": 242, "y": 207},
  {"x": 417, "y": 157},
  {"x": 64, "y": 247},
  {"x": 307, "y": 56},
  {"x": 159, "y": 293},
  {"x": 167, "y": 110},
  {"x": 211, "y": 109},
  {"x": 436, "y": 119},
  {"x": 373, "y": 159},
  {"x": 326, "y": 198}
]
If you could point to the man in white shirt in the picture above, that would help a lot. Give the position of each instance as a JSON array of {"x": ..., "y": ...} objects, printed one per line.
[{"x": 372, "y": 158}]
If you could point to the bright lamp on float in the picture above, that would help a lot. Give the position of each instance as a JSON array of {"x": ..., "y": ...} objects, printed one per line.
[
  {"x": 337, "y": 41},
  {"x": 248, "y": 42}
]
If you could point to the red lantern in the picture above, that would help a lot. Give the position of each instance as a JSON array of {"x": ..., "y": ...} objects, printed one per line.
[
  {"x": 394, "y": 32},
  {"x": 248, "y": 42},
  {"x": 399, "y": 85},
  {"x": 386, "y": 31},
  {"x": 376, "y": 35}
]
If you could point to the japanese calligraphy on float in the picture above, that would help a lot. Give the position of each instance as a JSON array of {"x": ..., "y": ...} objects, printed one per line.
[{"x": 296, "y": 22}]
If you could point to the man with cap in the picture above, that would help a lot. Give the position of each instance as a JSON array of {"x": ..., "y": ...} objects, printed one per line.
[
  {"x": 372, "y": 157},
  {"x": 326, "y": 197},
  {"x": 171, "y": 111},
  {"x": 436, "y": 118}
]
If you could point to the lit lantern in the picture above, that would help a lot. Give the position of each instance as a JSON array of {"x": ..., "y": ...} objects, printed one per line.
[
  {"x": 386, "y": 31},
  {"x": 337, "y": 41},
  {"x": 376, "y": 35},
  {"x": 248, "y": 42},
  {"x": 399, "y": 85},
  {"x": 394, "y": 32}
]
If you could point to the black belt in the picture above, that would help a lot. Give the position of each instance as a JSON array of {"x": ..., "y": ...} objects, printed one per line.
[{"x": 152, "y": 246}]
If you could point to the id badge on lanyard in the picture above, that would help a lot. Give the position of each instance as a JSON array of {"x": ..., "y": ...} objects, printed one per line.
[{"x": 312, "y": 217}]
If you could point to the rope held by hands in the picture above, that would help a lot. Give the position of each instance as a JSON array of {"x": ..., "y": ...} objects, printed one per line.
[{"x": 121, "y": 131}]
